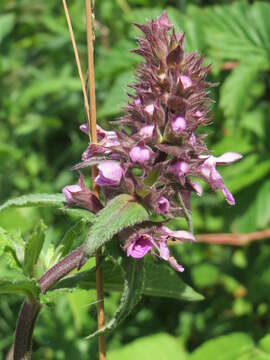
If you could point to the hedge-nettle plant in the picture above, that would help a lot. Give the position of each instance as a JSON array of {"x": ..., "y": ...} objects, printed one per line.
[
  {"x": 147, "y": 169},
  {"x": 157, "y": 154}
]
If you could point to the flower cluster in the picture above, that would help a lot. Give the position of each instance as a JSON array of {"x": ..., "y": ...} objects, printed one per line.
[{"x": 156, "y": 153}]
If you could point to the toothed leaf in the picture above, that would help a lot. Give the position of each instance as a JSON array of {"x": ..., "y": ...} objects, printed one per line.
[{"x": 121, "y": 212}]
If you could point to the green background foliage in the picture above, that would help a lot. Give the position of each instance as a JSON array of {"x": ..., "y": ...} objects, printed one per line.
[{"x": 41, "y": 108}]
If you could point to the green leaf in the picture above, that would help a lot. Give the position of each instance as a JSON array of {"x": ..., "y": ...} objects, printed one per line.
[
  {"x": 257, "y": 215},
  {"x": 33, "y": 248},
  {"x": 236, "y": 91},
  {"x": 159, "y": 280},
  {"x": 133, "y": 281},
  {"x": 228, "y": 347},
  {"x": 121, "y": 212},
  {"x": 264, "y": 343},
  {"x": 159, "y": 347},
  {"x": 7, "y": 22},
  {"x": 78, "y": 214},
  {"x": 38, "y": 200},
  {"x": 117, "y": 64},
  {"x": 205, "y": 275},
  {"x": 14, "y": 282},
  {"x": 152, "y": 177},
  {"x": 117, "y": 96},
  {"x": 233, "y": 33},
  {"x": 11, "y": 249},
  {"x": 73, "y": 233}
]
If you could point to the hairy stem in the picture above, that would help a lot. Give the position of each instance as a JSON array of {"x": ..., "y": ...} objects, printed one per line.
[
  {"x": 24, "y": 331},
  {"x": 93, "y": 138},
  {"x": 31, "y": 308}
]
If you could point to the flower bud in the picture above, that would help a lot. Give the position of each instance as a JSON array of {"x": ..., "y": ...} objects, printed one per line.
[
  {"x": 81, "y": 196},
  {"x": 110, "y": 173},
  {"x": 147, "y": 131},
  {"x": 140, "y": 154},
  {"x": 186, "y": 81},
  {"x": 178, "y": 125},
  {"x": 180, "y": 168}
]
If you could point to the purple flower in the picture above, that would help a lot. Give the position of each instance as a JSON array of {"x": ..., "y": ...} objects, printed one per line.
[
  {"x": 137, "y": 102},
  {"x": 84, "y": 128},
  {"x": 110, "y": 173},
  {"x": 140, "y": 246},
  {"x": 140, "y": 154},
  {"x": 161, "y": 135},
  {"x": 197, "y": 188},
  {"x": 106, "y": 140},
  {"x": 150, "y": 109},
  {"x": 181, "y": 235},
  {"x": 186, "y": 81},
  {"x": 147, "y": 131},
  {"x": 142, "y": 242},
  {"x": 81, "y": 196},
  {"x": 211, "y": 175},
  {"x": 174, "y": 264},
  {"x": 162, "y": 206},
  {"x": 178, "y": 125},
  {"x": 180, "y": 168},
  {"x": 192, "y": 140}
]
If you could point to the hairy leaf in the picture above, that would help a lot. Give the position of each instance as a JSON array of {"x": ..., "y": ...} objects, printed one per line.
[
  {"x": 73, "y": 234},
  {"x": 38, "y": 200},
  {"x": 14, "y": 282},
  {"x": 33, "y": 248},
  {"x": 120, "y": 213},
  {"x": 11, "y": 249},
  {"x": 133, "y": 281},
  {"x": 159, "y": 280}
]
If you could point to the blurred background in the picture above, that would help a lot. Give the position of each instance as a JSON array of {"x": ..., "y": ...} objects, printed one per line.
[{"x": 41, "y": 108}]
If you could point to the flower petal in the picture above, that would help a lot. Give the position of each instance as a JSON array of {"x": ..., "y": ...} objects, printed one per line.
[
  {"x": 177, "y": 234},
  {"x": 140, "y": 246},
  {"x": 174, "y": 264},
  {"x": 228, "y": 158}
]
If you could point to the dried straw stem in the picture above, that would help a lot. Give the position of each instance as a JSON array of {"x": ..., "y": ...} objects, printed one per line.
[
  {"x": 85, "y": 98},
  {"x": 93, "y": 137}
]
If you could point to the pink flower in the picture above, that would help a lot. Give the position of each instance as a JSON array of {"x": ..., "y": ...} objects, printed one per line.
[
  {"x": 150, "y": 109},
  {"x": 147, "y": 131},
  {"x": 81, "y": 196},
  {"x": 162, "y": 206},
  {"x": 197, "y": 188},
  {"x": 140, "y": 154},
  {"x": 192, "y": 140},
  {"x": 209, "y": 172},
  {"x": 84, "y": 128},
  {"x": 180, "y": 168},
  {"x": 110, "y": 173},
  {"x": 178, "y": 125},
  {"x": 186, "y": 81},
  {"x": 176, "y": 234},
  {"x": 174, "y": 264},
  {"x": 137, "y": 102},
  {"x": 140, "y": 246},
  {"x": 141, "y": 243}
]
